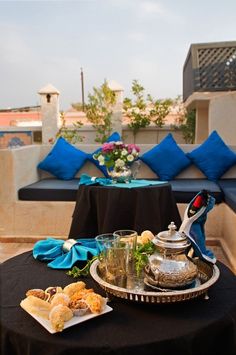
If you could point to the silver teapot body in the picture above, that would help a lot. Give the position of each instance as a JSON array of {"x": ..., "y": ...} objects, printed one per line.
[{"x": 169, "y": 266}]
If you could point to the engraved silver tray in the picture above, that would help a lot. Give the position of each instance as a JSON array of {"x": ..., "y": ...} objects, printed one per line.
[{"x": 207, "y": 275}]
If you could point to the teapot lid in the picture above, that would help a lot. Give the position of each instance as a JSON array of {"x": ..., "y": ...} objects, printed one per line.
[{"x": 171, "y": 239}]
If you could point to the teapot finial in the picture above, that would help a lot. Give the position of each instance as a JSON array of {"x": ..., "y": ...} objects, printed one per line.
[{"x": 172, "y": 228}]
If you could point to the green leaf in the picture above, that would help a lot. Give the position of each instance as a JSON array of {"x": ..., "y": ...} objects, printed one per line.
[{"x": 77, "y": 272}]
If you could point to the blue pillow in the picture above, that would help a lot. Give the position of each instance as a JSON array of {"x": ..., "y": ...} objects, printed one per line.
[
  {"x": 114, "y": 137},
  {"x": 64, "y": 160},
  {"x": 213, "y": 157},
  {"x": 166, "y": 159}
]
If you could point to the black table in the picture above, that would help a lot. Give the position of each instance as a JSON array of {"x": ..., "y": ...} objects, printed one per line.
[
  {"x": 196, "y": 327},
  {"x": 104, "y": 209}
]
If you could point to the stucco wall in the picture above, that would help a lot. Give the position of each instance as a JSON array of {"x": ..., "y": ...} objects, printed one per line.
[{"x": 222, "y": 116}]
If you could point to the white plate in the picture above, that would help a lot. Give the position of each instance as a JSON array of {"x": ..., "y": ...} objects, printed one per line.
[{"x": 75, "y": 320}]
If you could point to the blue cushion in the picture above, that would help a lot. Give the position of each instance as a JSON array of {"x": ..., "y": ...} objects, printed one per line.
[
  {"x": 114, "y": 137},
  {"x": 166, "y": 159},
  {"x": 64, "y": 160},
  {"x": 213, "y": 157}
]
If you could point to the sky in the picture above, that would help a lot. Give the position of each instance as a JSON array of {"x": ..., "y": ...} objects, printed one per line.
[{"x": 45, "y": 42}]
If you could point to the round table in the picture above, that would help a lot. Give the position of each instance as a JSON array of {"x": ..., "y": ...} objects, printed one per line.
[
  {"x": 104, "y": 209},
  {"x": 195, "y": 327}
]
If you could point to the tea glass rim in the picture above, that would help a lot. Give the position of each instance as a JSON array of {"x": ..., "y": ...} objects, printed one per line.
[
  {"x": 103, "y": 238},
  {"x": 125, "y": 230}
]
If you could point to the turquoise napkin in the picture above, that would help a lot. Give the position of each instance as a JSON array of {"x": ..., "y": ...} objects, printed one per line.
[
  {"x": 88, "y": 180},
  {"x": 62, "y": 257},
  {"x": 139, "y": 183}
]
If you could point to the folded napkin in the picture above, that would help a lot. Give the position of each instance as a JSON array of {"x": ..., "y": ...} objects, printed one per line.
[
  {"x": 93, "y": 180},
  {"x": 88, "y": 180},
  {"x": 63, "y": 254},
  {"x": 195, "y": 217}
]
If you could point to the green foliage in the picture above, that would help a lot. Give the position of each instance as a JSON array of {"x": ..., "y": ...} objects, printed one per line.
[
  {"x": 160, "y": 109},
  {"x": 142, "y": 112},
  {"x": 99, "y": 111},
  {"x": 141, "y": 255},
  {"x": 142, "y": 252},
  {"x": 77, "y": 272},
  {"x": 187, "y": 126},
  {"x": 71, "y": 135}
]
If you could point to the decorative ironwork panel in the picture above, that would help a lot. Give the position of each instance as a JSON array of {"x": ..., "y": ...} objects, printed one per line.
[{"x": 210, "y": 67}]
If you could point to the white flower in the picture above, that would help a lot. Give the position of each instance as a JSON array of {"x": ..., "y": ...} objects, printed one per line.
[
  {"x": 136, "y": 110},
  {"x": 130, "y": 157},
  {"x": 101, "y": 160},
  {"x": 119, "y": 163},
  {"x": 124, "y": 152},
  {"x": 134, "y": 152}
]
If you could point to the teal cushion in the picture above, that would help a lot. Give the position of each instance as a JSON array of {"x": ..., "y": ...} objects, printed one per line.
[
  {"x": 64, "y": 160},
  {"x": 166, "y": 159},
  {"x": 114, "y": 137},
  {"x": 213, "y": 157}
]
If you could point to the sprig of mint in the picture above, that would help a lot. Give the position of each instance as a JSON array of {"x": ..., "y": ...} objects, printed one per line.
[
  {"x": 77, "y": 272},
  {"x": 141, "y": 254}
]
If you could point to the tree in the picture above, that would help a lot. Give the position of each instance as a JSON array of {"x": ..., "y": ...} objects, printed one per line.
[
  {"x": 99, "y": 111},
  {"x": 186, "y": 122},
  {"x": 71, "y": 135},
  {"x": 142, "y": 112},
  {"x": 188, "y": 126}
]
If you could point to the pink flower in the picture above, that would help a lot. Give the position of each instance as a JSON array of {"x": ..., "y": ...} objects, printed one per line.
[
  {"x": 132, "y": 147},
  {"x": 107, "y": 147}
]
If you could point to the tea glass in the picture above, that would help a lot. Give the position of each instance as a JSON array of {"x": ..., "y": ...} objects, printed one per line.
[
  {"x": 117, "y": 262},
  {"x": 101, "y": 240},
  {"x": 128, "y": 237}
]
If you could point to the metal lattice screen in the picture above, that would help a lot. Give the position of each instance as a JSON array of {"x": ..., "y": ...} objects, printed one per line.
[
  {"x": 210, "y": 67},
  {"x": 217, "y": 68}
]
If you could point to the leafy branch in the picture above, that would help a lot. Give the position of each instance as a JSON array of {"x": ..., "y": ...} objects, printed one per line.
[
  {"x": 70, "y": 134},
  {"x": 142, "y": 112},
  {"x": 99, "y": 111},
  {"x": 77, "y": 272}
]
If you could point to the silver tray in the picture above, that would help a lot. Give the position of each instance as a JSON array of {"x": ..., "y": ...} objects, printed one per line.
[{"x": 207, "y": 275}]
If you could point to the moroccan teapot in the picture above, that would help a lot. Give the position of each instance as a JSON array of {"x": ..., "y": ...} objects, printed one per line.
[{"x": 169, "y": 266}]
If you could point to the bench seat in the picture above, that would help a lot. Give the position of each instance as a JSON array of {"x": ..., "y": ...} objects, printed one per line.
[
  {"x": 50, "y": 190},
  {"x": 60, "y": 190},
  {"x": 228, "y": 187}
]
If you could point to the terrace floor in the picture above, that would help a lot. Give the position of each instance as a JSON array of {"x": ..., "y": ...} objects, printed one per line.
[{"x": 10, "y": 247}]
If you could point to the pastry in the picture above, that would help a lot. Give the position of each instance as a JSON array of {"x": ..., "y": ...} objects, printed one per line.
[
  {"x": 74, "y": 287},
  {"x": 35, "y": 305},
  {"x": 78, "y": 307},
  {"x": 37, "y": 292},
  {"x": 60, "y": 298},
  {"x": 95, "y": 302},
  {"x": 59, "y": 315},
  {"x": 145, "y": 237},
  {"x": 51, "y": 291}
]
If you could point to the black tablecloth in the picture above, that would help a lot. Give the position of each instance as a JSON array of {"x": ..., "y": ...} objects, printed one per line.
[
  {"x": 196, "y": 327},
  {"x": 104, "y": 209}
]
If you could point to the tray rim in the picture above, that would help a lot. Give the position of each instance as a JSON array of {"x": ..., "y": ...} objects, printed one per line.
[{"x": 155, "y": 296}]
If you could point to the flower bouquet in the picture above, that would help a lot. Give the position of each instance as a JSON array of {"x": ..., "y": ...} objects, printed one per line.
[{"x": 118, "y": 157}]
